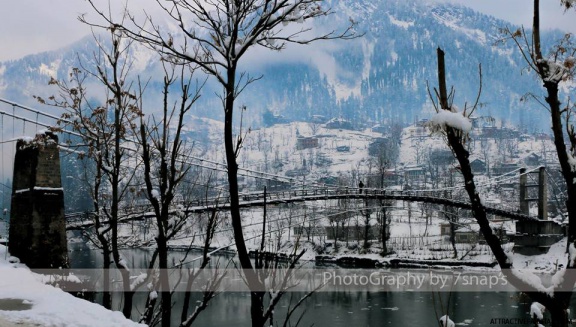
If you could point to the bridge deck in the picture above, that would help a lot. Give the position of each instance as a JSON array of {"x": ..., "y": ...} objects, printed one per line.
[{"x": 277, "y": 198}]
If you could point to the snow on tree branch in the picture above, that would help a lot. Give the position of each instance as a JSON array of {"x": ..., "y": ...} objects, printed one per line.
[
  {"x": 536, "y": 310},
  {"x": 446, "y": 321},
  {"x": 569, "y": 4},
  {"x": 444, "y": 118},
  {"x": 556, "y": 72},
  {"x": 137, "y": 281}
]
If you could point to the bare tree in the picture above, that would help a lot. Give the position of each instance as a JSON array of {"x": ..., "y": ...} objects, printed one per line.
[
  {"x": 163, "y": 157},
  {"x": 209, "y": 291},
  {"x": 456, "y": 138},
  {"x": 485, "y": 148},
  {"x": 384, "y": 219},
  {"x": 215, "y": 36},
  {"x": 558, "y": 67},
  {"x": 315, "y": 127},
  {"x": 103, "y": 129},
  {"x": 367, "y": 213},
  {"x": 122, "y": 104},
  {"x": 552, "y": 70},
  {"x": 384, "y": 158},
  {"x": 91, "y": 125}
]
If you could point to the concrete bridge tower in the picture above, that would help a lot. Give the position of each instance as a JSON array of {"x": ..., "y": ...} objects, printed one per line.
[{"x": 37, "y": 222}]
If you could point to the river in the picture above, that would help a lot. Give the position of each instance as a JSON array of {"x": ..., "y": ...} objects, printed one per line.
[{"x": 346, "y": 308}]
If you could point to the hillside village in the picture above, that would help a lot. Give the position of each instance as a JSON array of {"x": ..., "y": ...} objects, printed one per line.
[
  {"x": 335, "y": 152},
  {"x": 340, "y": 154}
]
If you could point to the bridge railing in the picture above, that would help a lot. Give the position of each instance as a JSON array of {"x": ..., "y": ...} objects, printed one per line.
[
  {"x": 79, "y": 217},
  {"x": 314, "y": 194}
]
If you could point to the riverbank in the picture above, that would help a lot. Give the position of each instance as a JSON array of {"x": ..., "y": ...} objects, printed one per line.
[{"x": 26, "y": 301}]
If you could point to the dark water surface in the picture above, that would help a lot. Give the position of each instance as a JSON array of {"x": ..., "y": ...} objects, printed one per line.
[{"x": 343, "y": 308}]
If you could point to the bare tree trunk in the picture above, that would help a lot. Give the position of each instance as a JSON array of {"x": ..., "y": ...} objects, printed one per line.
[
  {"x": 384, "y": 228},
  {"x": 455, "y": 140},
  {"x": 106, "y": 253},
  {"x": 116, "y": 88},
  {"x": 366, "y": 225},
  {"x": 453, "y": 235},
  {"x": 558, "y": 313},
  {"x": 106, "y": 295},
  {"x": 335, "y": 229},
  {"x": 166, "y": 293},
  {"x": 257, "y": 298},
  {"x": 450, "y": 215}
]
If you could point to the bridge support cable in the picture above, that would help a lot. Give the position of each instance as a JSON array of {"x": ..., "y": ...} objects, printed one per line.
[
  {"x": 215, "y": 165},
  {"x": 491, "y": 181},
  {"x": 35, "y": 111},
  {"x": 24, "y": 119},
  {"x": 334, "y": 196},
  {"x": 67, "y": 148}
]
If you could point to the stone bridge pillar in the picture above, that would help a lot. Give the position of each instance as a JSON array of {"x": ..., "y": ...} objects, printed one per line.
[{"x": 37, "y": 222}]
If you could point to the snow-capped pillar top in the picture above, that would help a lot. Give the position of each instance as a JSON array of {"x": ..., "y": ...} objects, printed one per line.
[{"x": 38, "y": 162}]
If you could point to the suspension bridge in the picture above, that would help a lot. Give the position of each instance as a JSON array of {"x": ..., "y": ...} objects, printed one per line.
[
  {"x": 22, "y": 120},
  {"x": 82, "y": 220}
]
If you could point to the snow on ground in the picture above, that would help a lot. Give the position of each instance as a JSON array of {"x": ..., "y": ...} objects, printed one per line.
[
  {"x": 547, "y": 263},
  {"x": 48, "y": 306},
  {"x": 400, "y": 23},
  {"x": 342, "y": 152},
  {"x": 454, "y": 22},
  {"x": 417, "y": 143},
  {"x": 274, "y": 149}
]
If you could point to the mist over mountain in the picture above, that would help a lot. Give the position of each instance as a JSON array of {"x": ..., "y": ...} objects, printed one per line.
[{"x": 378, "y": 78}]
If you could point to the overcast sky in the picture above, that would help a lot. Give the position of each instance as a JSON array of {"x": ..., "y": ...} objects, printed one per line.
[{"x": 32, "y": 26}]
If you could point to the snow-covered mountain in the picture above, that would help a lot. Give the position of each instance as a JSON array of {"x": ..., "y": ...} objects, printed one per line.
[{"x": 379, "y": 77}]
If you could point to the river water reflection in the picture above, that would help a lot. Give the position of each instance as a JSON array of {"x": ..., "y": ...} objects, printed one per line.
[{"x": 344, "y": 308}]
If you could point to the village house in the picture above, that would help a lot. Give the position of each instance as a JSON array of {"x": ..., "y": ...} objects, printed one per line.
[
  {"x": 504, "y": 168},
  {"x": 414, "y": 174},
  {"x": 478, "y": 166},
  {"x": 306, "y": 142},
  {"x": 338, "y": 123},
  {"x": 533, "y": 160}
]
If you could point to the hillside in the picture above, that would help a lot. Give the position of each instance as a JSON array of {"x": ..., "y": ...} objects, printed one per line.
[
  {"x": 315, "y": 152},
  {"x": 380, "y": 77}
]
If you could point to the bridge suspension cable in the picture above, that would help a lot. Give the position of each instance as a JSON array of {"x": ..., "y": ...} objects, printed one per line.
[
  {"x": 37, "y": 112},
  {"x": 222, "y": 167},
  {"x": 24, "y": 119},
  {"x": 67, "y": 148},
  {"x": 489, "y": 182}
]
